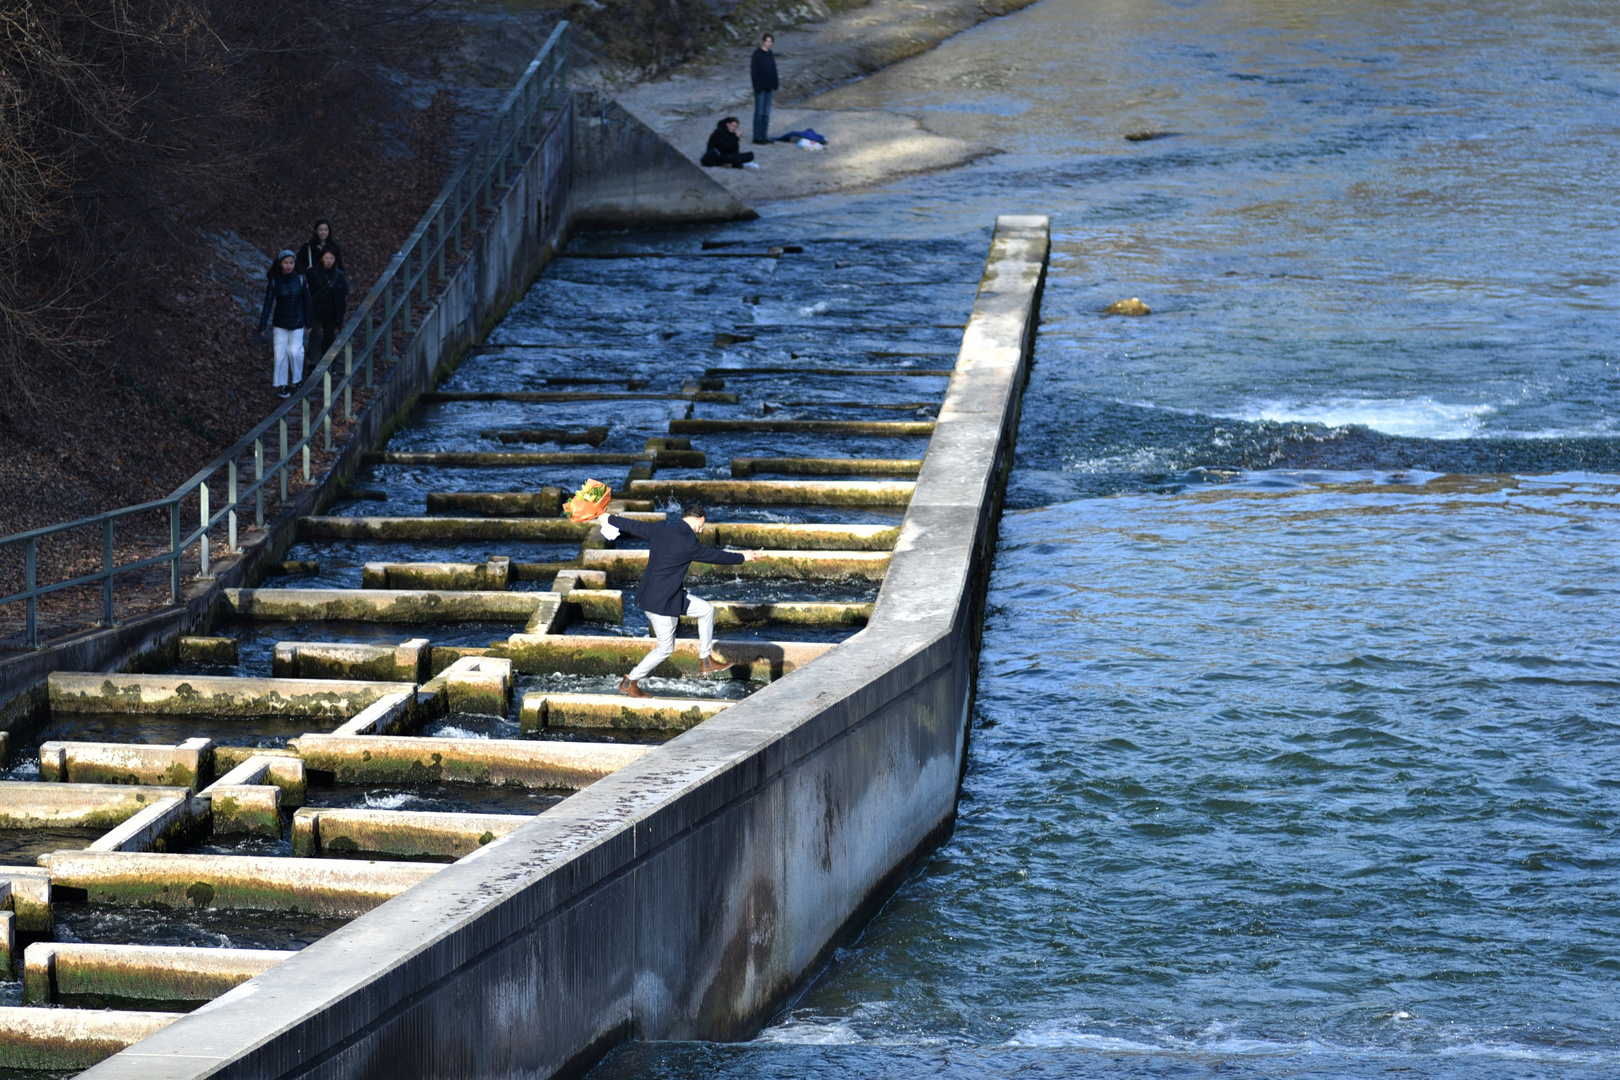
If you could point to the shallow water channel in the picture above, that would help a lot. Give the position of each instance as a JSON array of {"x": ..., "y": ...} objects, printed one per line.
[{"x": 1296, "y": 747}]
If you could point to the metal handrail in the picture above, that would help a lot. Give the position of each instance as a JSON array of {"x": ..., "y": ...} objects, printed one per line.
[{"x": 419, "y": 266}]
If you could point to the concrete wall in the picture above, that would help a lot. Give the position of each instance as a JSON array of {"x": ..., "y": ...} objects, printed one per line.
[
  {"x": 686, "y": 895},
  {"x": 627, "y": 176}
]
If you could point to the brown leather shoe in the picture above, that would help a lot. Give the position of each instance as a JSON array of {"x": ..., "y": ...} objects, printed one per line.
[
  {"x": 714, "y": 665},
  {"x": 630, "y": 689}
]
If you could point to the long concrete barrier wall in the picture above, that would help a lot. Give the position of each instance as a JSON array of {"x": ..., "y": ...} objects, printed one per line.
[{"x": 687, "y": 894}]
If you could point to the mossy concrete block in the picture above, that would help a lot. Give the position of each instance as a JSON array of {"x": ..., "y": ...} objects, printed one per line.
[
  {"x": 628, "y": 565},
  {"x": 597, "y": 605},
  {"x": 345, "y": 660},
  {"x": 730, "y": 615},
  {"x": 405, "y": 834},
  {"x": 8, "y": 940},
  {"x": 381, "y": 605},
  {"x": 186, "y": 765},
  {"x": 25, "y": 805},
  {"x": 386, "y": 717},
  {"x": 493, "y": 575},
  {"x": 122, "y": 975},
  {"x": 240, "y": 882},
  {"x": 440, "y": 529},
  {"x": 861, "y": 493},
  {"x": 545, "y": 503},
  {"x": 614, "y": 712},
  {"x": 208, "y": 650},
  {"x": 67, "y": 1039},
  {"x": 285, "y": 775},
  {"x": 30, "y": 898},
  {"x": 479, "y": 684},
  {"x": 252, "y": 809},
  {"x": 601, "y": 654},
  {"x": 73, "y": 692},
  {"x": 879, "y": 428},
  {"x": 742, "y": 468},
  {"x": 808, "y": 537},
  {"x": 167, "y": 823},
  {"x": 520, "y": 763},
  {"x": 569, "y": 580}
]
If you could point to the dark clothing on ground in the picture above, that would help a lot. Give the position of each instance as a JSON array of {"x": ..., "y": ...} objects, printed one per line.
[
  {"x": 723, "y": 149},
  {"x": 675, "y": 548},
  {"x": 763, "y": 68},
  {"x": 287, "y": 303},
  {"x": 325, "y": 332},
  {"x": 310, "y": 254}
]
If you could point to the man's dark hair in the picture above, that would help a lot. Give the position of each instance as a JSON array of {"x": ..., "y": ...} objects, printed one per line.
[
  {"x": 695, "y": 510},
  {"x": 767, "y": 37},
  {"x": 730, "y": 120}
]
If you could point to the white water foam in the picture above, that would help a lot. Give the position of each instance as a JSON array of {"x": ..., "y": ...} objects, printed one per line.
[{"x": 1417, "y": 418}]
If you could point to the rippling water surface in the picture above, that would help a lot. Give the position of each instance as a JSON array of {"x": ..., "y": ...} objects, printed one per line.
[{"x": 1296, "y": 748}]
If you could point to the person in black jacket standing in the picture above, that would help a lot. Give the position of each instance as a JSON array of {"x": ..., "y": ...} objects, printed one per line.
[
  {"x": 662, "y": 593},
  {"x": 763, "y": 68},
  {"x": 287, "y": 305},
  {"x": 329, "y": 291}
]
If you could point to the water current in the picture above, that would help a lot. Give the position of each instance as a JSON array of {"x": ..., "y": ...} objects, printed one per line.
[{"x": 1296, "y": 748}]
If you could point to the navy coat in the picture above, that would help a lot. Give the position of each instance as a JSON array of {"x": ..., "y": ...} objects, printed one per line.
[
  {"x": 675, "y": 548},
  {"x": 762, "y": 68}
]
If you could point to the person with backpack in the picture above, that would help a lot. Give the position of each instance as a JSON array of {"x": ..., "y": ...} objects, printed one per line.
[
  {"x": 329, "y": 295},
  {"x": 288, "y": 312}
]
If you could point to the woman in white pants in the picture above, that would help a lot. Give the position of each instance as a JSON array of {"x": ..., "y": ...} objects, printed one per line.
[{"x": 289, "y": 311}]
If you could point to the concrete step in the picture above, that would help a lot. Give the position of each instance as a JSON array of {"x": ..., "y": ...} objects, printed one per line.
[
  {"x": 170, "y": 975},
  {"x": 492, "y": 575},
  {"x": 406, "y": 662},
  {"x": 732, "y": 614},
  {"x": 446, "y": 529},
  {"x": 549, "y": 397},
  {"x": 467, "y": 459},
  {"x": 25, "y": 804},
  {"x": 744, "y": 467},
  {"x": 528, "y": 763},
  {"x": 216, "y": 695},
  {"x": 615, "y": 712},
  {"x": 410, "y": 834},
  {"x": 545, "y": 503},
  {"x": 881, "y": 428},
  {"x": 780, "y": 492},
  {"x": 383, "y": 605},
  {"x": 588, "y": 654},
  {"x": 622, "y": 566},
  {"x": 840, "y": 373},
  {"x": 335, "y": 887},
  {"x": 68, "y": 1039},
  {"x": 812, "y": 537},
  {"x": 186, "y": 764},
  {"x": 594, "y": 436}
]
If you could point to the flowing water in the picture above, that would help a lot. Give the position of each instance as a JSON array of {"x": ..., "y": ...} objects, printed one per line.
[{"x": 1296, "y": 749}]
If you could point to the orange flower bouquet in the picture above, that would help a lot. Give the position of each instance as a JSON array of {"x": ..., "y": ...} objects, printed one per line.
[{"x": 589, "y": 501}]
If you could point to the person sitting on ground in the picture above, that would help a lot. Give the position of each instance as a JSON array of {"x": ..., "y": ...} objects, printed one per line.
[
  {"x": 288, "y": 306},
  {"x": 724, "y": 146},
  {"x": 329, "y": 290},
  {"x": 662, "y": 593},
  {"x": 320, "y": 242}
]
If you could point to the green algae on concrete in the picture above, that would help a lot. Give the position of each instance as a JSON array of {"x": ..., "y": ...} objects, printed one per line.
[
  {"x": 441, "y": 529},
  {"x": 72, "y": 692},
  {"x": 67, "y": 1039},
  {"x": 381, "y": 605},
  {"x": 405, "y": 834},
  {"x": 730, "y": 614},
  {"x": 492, "y": 575},
  {"x": 545, "y": 503},
  {"x": 30, "y": 890},
  {"x": 405, "y": 662},
  {"x": 246, "y": 809},
  {"x": 283, "y": 773},
  {"x": 588, "y": 654},
  {"x": 183, "y": 765},
  {"x": 172, "y": 822},
  {"x": 242, "y": 882},
  {"x": 780, "y": 492},
  {"x": 627, "y": 565},
  {"x": 478, "y": 684},
  {"x": 25, "y": 804},
  {"x": 880, "y": 428},
  {"x": 524, "y": 763},
  {"x": 800, "y": 537},
  {"x": 208, "y": 650},
  {"x": 463, "y": 459},
  {"x": 744, "y": 467},
  {"x": 614, "y": 712},
  {"x": 125, "y": 975}
]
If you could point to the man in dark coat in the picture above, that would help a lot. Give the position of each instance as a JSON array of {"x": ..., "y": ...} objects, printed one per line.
[
  {"x": 724, "y": 146},
  {"x": 662, "y": 593},
  {"x": 763, "y": 69},
  {"x": 329, "y": 293}
]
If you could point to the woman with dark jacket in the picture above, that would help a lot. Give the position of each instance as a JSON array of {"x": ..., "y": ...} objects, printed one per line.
[
  {"x": 329, "y": 293},
  {"x": 289, "y": 309},
  {"x": 320, "y": 242},
  {"x": 724, "y": 146}
]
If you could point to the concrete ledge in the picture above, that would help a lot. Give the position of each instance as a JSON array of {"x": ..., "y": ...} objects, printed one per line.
[
  {"x": 545, "y": 503},
  {"x": 405, "y": 834},
  {"x": 780, "y": 492},
  {"x": 524, "y": 763},
  {"x": 589, "y": 654},
  {"x": 627, "y": 565},
  {"x": 206, "y": 695},
  {"x": 405, "y": 662},
  {"x": 208, "y": 650},
  {"x": 730, "y": 615},
  {"x": 147, "y": 974},
  {"x": 744, "y": 467},
  {"x": 25, "y": 805},
  {"x": 184, "y": 765},
  {"x": 167, "y": 822},
  {"x": 405, "y": 606},
  {"x": 440, "y": 529},
  {"x": 879, "y": 428},
  {"x": 805, "y": 537},
  {"x": 246, "y": 883},
  {"x": 71, "y": 1038},
  {"x": 493, "y": 575},
  {"x": 615, "y": 712}
]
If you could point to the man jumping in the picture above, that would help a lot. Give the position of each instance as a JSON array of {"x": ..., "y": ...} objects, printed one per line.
[{"x": 662, "y": 595}]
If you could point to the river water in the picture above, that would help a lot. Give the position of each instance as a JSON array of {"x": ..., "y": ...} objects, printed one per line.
[{"x": 1296, "y": 749}]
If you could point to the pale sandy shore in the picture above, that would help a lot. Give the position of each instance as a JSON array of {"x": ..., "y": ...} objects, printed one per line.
[{"x": 865, "y": 146}]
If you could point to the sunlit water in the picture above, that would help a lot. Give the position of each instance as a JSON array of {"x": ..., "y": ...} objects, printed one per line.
[{"x": 1296, "y": 748}]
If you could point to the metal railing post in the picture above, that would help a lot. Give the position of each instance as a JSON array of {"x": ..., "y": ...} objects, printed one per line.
[
  {"x": 31, "y": 629},
  {"x": 231, "y": 546},
  {"x": 348, "y": 379},
  {"x": 441, "y": 242},
  {"x": 371, "y": 343},
  {"x": 326, "y": 404},
  {"x": 305, "y": 404},
  {"x": 107, "y": 568},
  {"x": 174, "y": 551},
  {"x": 281, "y": 463},
  {"x": 258, "y": 478},
  {"x": 202, "y": 538}
]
